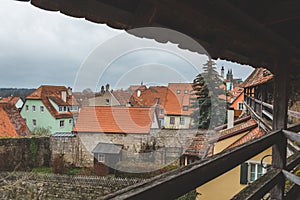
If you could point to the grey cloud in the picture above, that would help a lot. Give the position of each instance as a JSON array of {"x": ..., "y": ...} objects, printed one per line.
[{"x": 42, "y": 47}]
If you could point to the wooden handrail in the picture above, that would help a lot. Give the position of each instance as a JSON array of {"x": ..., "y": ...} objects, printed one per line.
[{"x": 261, "y": 186}]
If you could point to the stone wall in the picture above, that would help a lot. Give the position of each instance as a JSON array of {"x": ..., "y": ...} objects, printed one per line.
[{"x": 24, "y": 153}]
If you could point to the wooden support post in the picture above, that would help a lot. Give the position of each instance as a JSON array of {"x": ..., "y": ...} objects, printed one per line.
[
  {"x": 280, "y": 110},
  {"x": 256, "y": 91}
]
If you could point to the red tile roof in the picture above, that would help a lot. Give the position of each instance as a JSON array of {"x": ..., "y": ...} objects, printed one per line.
[
  {"x": 175, "y": 102},
  {"x": 254, "y": 133},
  {"x": 235, "y": 130},
  {"x": 11, "y": 122},
  {"x": 199, "y": 147},
  {"x": 151, "y": 96},
  {"x": 134, "y": 88},
  {"x": 257, "y": 77},
  {"x": 236, "y": 122},
  {"x": 105, "y": 119},
  {"x": 46, "y": 92},
  {"x": 11, "y": 100}
]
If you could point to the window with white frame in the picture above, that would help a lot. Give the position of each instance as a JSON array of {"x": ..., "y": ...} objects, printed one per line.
[
  {"x": 178, "y": 91},
  {"x": 186, "y": 91},
  {"x": 172, "y": 120},
  {"x": 33, "y": 108},
  {"x": 100, "y": 157},
  {"x": 60, "y": 109},
  {"x": 42, "y": 108},
  {"x": 251, "y": 171},
  {"x": 34, "y": 123},
  {"x": 182, "y": 121},
  {"x": 241, "y": 106},
  {"x": 70, "y": 121},
  {"x": 61, "y": 123},
  {"x": 256, "y": 170},
  {"x": 27, "y": 108}
]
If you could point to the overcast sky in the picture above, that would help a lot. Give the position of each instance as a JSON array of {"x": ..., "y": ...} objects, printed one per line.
[{"x": 41, "y": 47}]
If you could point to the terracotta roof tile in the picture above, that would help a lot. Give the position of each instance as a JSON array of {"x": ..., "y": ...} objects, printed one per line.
[
  {"x": 151, "y": 96},
  {"x": 134, "y": 88},
  {"x": 11, "y": 122},
  {"x": 254, "y": 133},
  {"x": 12, "y": 100},
  {"x": 235, "y": 130},
  {"x": 175, "y": 102},
  {"x": 199, "y": 146},
  {"x": 107, "y": 119},
  {"x": 257, "y": 77}
]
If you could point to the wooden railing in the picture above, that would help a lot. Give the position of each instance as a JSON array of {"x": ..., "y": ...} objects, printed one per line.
[
  {"x": 264, "y": 109},
  {"x": 180, "y": 181}
]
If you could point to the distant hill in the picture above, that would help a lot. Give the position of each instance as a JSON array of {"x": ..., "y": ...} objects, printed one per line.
[{"x": 20, "y": 92}]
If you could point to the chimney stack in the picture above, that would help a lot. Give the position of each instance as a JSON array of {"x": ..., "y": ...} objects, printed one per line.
[
  {"x": 102, "y": 89},
  {"x": 230, "y": 118},
  {"x": 70, "y": 93},
  {"x": 64, "y": 96},
  {"x": 107, "y": 87}
]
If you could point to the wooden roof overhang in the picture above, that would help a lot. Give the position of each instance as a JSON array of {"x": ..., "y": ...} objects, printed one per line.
[{"x": 254, "y": 32}]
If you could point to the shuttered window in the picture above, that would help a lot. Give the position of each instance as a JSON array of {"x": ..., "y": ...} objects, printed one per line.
[{"x": 244, "y": 173}]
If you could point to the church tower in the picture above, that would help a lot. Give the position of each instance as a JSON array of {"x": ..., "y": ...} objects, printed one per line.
[{"x": 222, "y": 73}]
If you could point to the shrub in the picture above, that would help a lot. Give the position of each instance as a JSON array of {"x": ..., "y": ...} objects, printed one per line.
[{"x": 58, "y": 164}]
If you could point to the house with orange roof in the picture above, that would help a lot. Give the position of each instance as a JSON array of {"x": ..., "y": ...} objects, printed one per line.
[
  {"x": 236, "y": 100},
  {"x": 178, "y": 106},
  {"x": 128, "y": 127},
  {"x": 154, "y": 96},
  {"x": 11, "y": 122},
  {"x": 16, "y": 101},
  {"x": 50, "y": 107},
  {"x": 230, "y": 183}
]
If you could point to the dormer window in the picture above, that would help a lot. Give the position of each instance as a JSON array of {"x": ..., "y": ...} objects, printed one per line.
[
  {"x": 107, "y": 101},
  {"x": 62, "y": 108},
  {"x": 185, "y": 108}
]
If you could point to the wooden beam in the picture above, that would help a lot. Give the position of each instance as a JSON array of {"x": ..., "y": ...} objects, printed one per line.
[
  {"x": 180, "y": 181},
  {"x": 292, "y": 135},
  {"x": 260, "y": 187},
  {"x": 293, "y": 161},
  {"x": 295, "y": 179},
  {"x": 280, "y": 110}
]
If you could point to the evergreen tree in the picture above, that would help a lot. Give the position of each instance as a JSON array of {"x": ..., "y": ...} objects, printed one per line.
[{"x": 210, "y": 109}]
